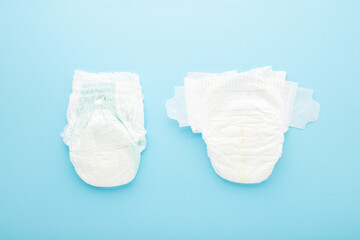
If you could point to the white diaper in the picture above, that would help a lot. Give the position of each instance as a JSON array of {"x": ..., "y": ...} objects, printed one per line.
[
  {"x": 242, "y": 118},
  {"x": 105, "y": 131}
]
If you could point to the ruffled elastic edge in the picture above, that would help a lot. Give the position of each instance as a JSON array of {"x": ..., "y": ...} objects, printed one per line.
[{"x": 103, "y": 76}]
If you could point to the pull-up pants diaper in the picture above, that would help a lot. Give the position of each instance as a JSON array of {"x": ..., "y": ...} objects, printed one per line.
[
  {"x": 105, "y": 131},
  {"x": 242, "y": 118}
]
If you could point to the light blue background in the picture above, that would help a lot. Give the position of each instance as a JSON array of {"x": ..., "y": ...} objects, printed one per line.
[{"x": 314, "y": 191}]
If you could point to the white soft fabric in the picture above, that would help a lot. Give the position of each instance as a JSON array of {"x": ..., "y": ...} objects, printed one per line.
[
  {"x": 242, "y": 118},
  {"x": 105, "y": 131}
]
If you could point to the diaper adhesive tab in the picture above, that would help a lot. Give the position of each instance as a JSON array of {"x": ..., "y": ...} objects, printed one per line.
[
  {"x": 176, "y": 107},
  {"x": 305, "y": 108}
]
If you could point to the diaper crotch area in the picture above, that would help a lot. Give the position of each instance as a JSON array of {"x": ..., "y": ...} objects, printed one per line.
[
  {"x": 103, "y": 153},
  {"x": 244, "y": 154}
]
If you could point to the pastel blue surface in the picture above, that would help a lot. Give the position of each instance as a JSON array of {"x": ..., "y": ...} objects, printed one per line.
[{"x": 314, "y": 191}]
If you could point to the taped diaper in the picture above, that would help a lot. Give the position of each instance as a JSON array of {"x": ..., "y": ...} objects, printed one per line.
[
  {"x": 105, "y": 131},
  {"x": 242, "y": 118}
]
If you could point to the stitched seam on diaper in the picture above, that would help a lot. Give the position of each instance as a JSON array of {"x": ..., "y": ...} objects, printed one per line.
[{"x": 242, "y": 154}]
